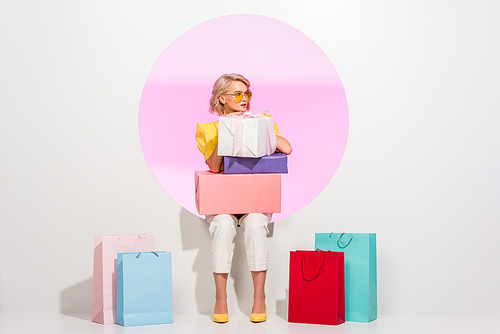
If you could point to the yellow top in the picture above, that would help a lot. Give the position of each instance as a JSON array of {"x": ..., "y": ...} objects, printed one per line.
[{"x": 207, "y": 137}]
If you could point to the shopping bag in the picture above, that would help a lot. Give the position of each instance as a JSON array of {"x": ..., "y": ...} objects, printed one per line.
[
  {"x": 316, "y": 287},
  {"x": 246, "y": 135},
  {"x": 106, "y": 248},
  {"x": 360, "y": 271},
  {"x": 144, "y": 289}
]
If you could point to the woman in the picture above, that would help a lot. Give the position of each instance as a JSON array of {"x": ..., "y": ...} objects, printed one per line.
[{"x": 231, "y": 95}]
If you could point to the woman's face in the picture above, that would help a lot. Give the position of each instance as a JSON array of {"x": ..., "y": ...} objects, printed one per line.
[{"x": 229, "y": 102}]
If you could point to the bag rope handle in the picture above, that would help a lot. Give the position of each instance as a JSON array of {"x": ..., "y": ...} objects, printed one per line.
[
  {"x": 346, "y": 243},
  {"x": 316, "y": 272},
  {"x": 150, "y": 252}
]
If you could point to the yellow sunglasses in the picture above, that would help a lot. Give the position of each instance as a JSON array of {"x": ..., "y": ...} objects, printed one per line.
[{"x": 238, "y": 96}]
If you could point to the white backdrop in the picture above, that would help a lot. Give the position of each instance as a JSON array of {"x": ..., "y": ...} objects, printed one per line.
[{"x": 420, "y": 167}]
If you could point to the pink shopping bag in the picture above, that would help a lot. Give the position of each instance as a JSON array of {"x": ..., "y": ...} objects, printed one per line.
[{"x": 106, "y": 248}]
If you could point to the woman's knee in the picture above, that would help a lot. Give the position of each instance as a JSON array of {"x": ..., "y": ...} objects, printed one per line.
[
  {"x": 256, "y": 223},
  {"x": 222, "y": 225}
]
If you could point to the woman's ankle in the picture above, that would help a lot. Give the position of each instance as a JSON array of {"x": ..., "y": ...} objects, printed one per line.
[
  {"x": 259, "y": 296},
  {"x": 221, "y": 297}
]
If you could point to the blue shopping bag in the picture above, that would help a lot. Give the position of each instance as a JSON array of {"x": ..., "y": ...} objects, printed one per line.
[
  {"x": 360, "y": 260},
  {"x": 144, "y": 288}
]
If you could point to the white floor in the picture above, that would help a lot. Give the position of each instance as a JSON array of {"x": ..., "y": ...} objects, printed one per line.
[{"x": 14, "y": 323}]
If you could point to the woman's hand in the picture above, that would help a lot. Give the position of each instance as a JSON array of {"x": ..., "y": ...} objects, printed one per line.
[
  {"x": 215, "y": 161},
  {"x": 283, "y": 145},
  {"x": 237, "y": 113}
]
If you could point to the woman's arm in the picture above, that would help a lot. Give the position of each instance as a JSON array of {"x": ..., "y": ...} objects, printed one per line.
[
  {"x": 283, "y": 145},
  {"x": 215, "y": 160}
]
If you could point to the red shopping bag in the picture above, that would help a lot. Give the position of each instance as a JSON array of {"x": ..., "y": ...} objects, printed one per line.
[{"x": 316, "y": 291}]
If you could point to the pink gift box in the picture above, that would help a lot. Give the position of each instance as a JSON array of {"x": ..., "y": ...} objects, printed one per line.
[{"x": 237, "y": 193}]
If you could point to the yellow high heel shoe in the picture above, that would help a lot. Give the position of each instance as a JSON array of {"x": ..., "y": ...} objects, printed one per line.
[
  {"x": 259, "y": 317},
  {"x": 220, "y": 318}
]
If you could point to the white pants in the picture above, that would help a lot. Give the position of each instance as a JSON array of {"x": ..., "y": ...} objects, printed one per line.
[{"x": 223, "y": 229}]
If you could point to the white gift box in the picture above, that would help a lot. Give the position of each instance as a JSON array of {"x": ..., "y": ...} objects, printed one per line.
[{"x": 246, "y": 135}]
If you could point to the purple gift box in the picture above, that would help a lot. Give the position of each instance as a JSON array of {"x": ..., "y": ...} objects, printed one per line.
[{"x": 275, "y": 163}]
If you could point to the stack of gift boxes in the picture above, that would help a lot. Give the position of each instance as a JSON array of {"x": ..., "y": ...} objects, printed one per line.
[{"x": 251, "y": 181}]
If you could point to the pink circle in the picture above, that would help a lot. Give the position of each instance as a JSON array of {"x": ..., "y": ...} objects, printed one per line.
[{"x": 289, "y": 75}]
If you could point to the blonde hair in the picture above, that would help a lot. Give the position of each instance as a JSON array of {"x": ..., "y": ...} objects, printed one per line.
[{"x": 221, "y": 86}]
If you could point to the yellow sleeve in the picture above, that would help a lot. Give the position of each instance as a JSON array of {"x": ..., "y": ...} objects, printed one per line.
[
  {"x": 207, "y": 136},
  {"x": 276, "y": 130}
]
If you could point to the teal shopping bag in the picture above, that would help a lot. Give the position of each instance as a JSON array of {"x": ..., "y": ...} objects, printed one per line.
[
  {"x": 144, "y": 288},
  {"x": 360, "y": 260}
]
